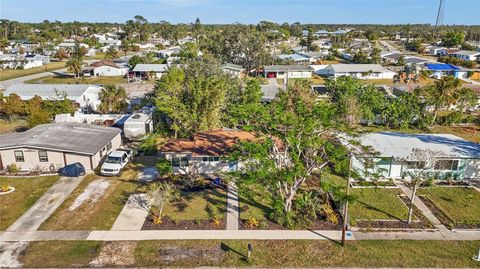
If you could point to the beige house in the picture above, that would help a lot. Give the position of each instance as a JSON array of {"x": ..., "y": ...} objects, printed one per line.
[{"x": 48, "y": 147}]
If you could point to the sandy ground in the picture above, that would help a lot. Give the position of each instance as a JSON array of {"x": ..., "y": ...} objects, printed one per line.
[
  {"x": 9, "y": 252},
  {"x": 92, "y": 193},
  {"x": 115, "y": 254}
]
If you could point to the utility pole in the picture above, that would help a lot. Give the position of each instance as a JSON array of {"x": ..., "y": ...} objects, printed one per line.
[
  {"x": 345, "y": 208},
  {"x": 441, "y": 11}
]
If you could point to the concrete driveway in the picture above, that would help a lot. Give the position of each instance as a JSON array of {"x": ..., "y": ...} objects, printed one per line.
[{"x": 46, "y": 205}]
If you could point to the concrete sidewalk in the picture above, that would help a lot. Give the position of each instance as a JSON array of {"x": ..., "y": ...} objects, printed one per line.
[
  {"x": 233, "y": 209},
  {"x": 133, "y": 214},
  {"x": 421, "y": 206},
  {"x": 46, "y": 205}
]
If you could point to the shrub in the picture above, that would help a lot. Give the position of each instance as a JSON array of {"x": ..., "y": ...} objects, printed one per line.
[
  {"x": 4, "y": 188},
  {"x": 251, "y": 223},
  {"x": 164, "y": 167},
  {"x": 157, "y": 219},
  {"x": 13, "y": 169},
  {"x": 149, "y": 145},
  {"x": 216, "y": 222},
  {"x": 330, "y": 213}
]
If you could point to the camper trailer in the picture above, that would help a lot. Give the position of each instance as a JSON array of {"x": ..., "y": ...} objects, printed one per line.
[{"x": 138, "y": 124}]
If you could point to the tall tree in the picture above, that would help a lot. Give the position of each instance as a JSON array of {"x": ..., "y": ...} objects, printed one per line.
[
  {"x": 111, "y": 53},
  {"x": 113, "y": 98}
]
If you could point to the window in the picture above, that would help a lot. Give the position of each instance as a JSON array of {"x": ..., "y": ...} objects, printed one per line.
[
  {"x": 42, "y": 156},
  {"x": 19, "y": 156},
  {"x": 179, "y": 162},
  {"x": 216, "y": 159},
  {"x": 109, "y": 146},
  {"x": 210, "y": 159},
  {"x": 447, "y": 165},
  {"x": 205, "y": 159}
]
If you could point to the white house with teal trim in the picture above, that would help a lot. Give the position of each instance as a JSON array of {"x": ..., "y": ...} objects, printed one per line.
[{"x": 461, "y": 160}]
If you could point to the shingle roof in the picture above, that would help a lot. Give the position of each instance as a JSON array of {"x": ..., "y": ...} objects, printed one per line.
[
  {"x": 467, "y": 52},
  {"x": 49, "y": 91},
  {"x": 285, "y": 68},
  {"x": 68, "y": 137},
  {"x": 150, "y": 68},
  {"x": 358, "y": 68}
]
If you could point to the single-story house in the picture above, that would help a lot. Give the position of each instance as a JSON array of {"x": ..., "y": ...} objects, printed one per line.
[
  {"x": 287, "y": 71},
  {"x": 24, "y": 61},
  {"x": 85, "y": 96},
  {"x": 440, "y": 70},
  {"x": 296, "y": 58},
  {"x": 106, "y": 68},
  {"x": 48, "y": 147},
  {"x": 147, "y": 70},
  {"x": 207, "y": 152},
  {"x": 232, "y": 69},
  {"x": 409, "y": 60},
  {"x": 461, "y": 158},
  {"x": 466, "y": 55},
  {"x": 359, "y": 71}
]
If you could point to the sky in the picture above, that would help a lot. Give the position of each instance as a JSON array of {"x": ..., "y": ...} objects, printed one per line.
[{"x": 465, "y": 12}]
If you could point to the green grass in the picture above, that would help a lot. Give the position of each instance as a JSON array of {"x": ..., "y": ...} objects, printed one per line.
[
  {"x": 200, "y": 205},
  {"x": 27, "y": 192},
  {"x": 6, "y": 74},
  {"x": 462, "y": 205},
  {"x": 304, "y": 253},
  {"x": 60, "y": 253},
  {"x": 254, "y": 201},
  {"x": 378, "y": 204},
  {"x": 85, "y": 80},
  {"x": 99, "y": 215},
  {"x": 12, "y": 126},
  {"x": 98, "y": 56}
]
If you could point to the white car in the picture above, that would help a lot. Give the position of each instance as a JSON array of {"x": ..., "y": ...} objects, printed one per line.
[{"x": 115, "y": 161}]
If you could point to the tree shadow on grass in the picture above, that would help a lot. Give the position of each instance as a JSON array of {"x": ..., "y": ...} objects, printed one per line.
[{"x": 370, "y": 207}]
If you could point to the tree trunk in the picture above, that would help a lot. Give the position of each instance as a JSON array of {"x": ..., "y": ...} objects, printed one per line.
[{"x": 412, "y": 199}]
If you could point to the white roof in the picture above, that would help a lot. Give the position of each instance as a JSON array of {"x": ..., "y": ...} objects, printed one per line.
[
  {"x": 150, "y": 68},
  {"x": 358, "y": 68},
  {"x": 50, "y": 91},
  {"x": 400, "y": 145},
  {"x": 467, "y": 52}
]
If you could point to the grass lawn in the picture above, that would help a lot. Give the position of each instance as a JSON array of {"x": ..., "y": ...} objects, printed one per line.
[
  {"x": 98, "y": 56},
  {"x": 12, "y": 126},
  {"x": 6, "y": 74},
  {"x": 468, "y": 133},
  {"x": 461, "y": 205},
  {"x": 255, "y": 202},
  {"x": 390, "y": 82},
  {"x": 199, "y": 205},
  {"x": 378, "y": 204},
  {"x": 27, "y": 192},
  {"x": 101, "y": 214},
  {"x": 266, "y": 253},
  {"x": 86, "y": 80},
  {"x": 60, "y": 253}
]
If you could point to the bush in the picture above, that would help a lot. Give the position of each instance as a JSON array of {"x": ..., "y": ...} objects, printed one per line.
[
  {"x": 452, "y": 118},
  {"x": 164, "y": 167},
  {"x": 149, "y": 145},
  {"x": 13, "y": 169},
  {"x": 251, "y": 223}
]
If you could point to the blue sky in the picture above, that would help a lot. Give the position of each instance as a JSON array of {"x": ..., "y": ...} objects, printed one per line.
[{"x": 244, "y": 11}]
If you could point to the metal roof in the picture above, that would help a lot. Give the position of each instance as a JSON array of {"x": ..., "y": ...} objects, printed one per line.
[
  {"x": 467, "y": 52},
  {"x": 66, "y": 137},
  {"x": 51, "y": 91},
  {"x": 400, "y": 145},
  {"x": 442, "y": 67},
  {"x": 358, "y": 68}
]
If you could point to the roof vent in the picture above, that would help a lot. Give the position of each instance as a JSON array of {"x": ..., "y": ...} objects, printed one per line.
[
  {"x": 34, "y": 135},
  {"x": 136, "y": 116}
]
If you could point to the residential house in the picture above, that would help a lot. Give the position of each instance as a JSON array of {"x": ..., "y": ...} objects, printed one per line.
[
  {"x": 359, "y": 71},
  {"x": 466, "y": 55},
  {"x": 106, "y": 68},
  {"x": 436, "y": 50},
  {"x": 232, "y": 69},
  {"x": 48, "y": 147},
  {"x": 85, "y": 96},
  {"x": 460, "y": 160},
  {"x": 295, "y": 58},
  {"x": 207, "y": 152},
  {"x": 150, "y": 70},
  {"x": 440, "y": 70},
  {"x": 22, "y": 61},
  {"x": 287, "y": 71}
]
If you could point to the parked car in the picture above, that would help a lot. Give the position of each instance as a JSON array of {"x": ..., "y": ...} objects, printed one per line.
[{"x": 115, "y": 162}]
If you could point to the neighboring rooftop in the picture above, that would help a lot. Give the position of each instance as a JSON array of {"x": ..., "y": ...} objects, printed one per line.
[
  {"x": 442, "y": 67},
  {"x": 467, "y": 52},
  {"x": 400, "y": 145},
  {"x": 285, "y": 68},
  {"x": 270, "y": 91},
  {"x": 232, "y": 66},
  {"x": 50, "y": 91},
  {"x": 210, "y": 143},
  {"x": 150, "y": 68},
  {"x": 358, "y": 68},
  {"x": 67, "y": 136},
  {"x": 104, "y": 62}
]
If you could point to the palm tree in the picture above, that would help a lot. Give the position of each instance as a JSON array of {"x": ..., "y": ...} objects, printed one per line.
[
  {"x": 111, "y": 53},
  {"x": 74, "y": 65},
  {"x": 113, "y": 98}
]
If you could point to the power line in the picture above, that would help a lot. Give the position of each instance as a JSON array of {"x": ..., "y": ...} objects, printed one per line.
[{"x": 441, "y": 11}]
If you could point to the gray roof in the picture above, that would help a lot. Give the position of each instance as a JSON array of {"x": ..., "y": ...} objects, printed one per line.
[
  {"x": 232, "y": 66},
  {"x": 65, "y": 137},
  {"x": 358, "y": 68},
  {"x": 150, "y": 68},
  {"x": 285, "y": 68},
  {"x": 400, "y": 145},
  {"x": 49, "y": 91},
  {"x": 467, "y": 52}
]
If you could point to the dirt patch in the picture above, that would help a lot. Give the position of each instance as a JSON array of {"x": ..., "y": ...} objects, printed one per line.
[
  {"x": 116, "y": 254},
  {"x": 444, "y": 219},
  {"x": 9, "y": 253},
  {"x": 174, "y": 254},
  {"x": 169, "y": 224},
  {"x": 92, "y": 193},
  {"x": 266, "y": 224}
]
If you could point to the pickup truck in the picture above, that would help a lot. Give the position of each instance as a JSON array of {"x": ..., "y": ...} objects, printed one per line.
[{"x": 115, "y": 162}]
